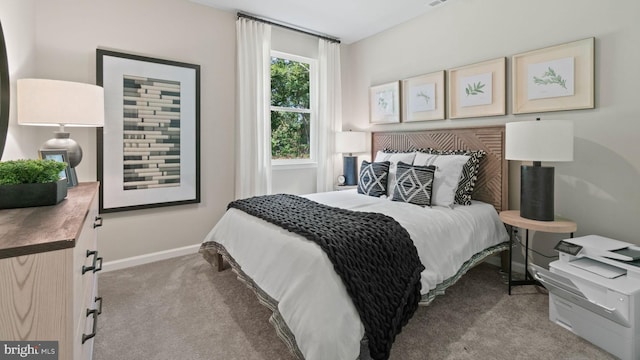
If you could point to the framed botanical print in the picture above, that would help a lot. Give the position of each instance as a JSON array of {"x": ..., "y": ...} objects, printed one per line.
[
  {"x": 423, "y": 97},
  {"x": 477, "y": 90},
  {"x": 555, "y": 78},
  {"x": 384, "y": 103}
]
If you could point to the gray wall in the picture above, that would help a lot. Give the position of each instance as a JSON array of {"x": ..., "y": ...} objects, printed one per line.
[
  {"x": 57, "y": 39},
  {"x": 598, "y": 189},
  {"x": 61, "y": 37}
]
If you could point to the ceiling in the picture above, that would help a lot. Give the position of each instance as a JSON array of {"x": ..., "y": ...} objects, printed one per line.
[{"x": 347, "y": 20}]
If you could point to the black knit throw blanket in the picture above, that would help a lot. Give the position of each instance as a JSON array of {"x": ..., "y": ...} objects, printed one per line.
[{"x": 373, "y": 255}]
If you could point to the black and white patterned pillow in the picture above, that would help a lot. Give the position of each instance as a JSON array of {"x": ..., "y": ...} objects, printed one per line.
[
  {"x": 373, "y": 178},
  {"x": 469, "y": 171},
  {"x": 414, "y": 184}
]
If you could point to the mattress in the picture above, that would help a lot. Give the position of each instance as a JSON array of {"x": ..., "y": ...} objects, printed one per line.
[{"x": 294, "y": 277}]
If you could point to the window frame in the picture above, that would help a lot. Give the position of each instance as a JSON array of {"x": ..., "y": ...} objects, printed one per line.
[{"x": 312, "y": 161}]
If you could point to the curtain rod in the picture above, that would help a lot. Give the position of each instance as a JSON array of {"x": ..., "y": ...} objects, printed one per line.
[{"x": 288, "y": 27}]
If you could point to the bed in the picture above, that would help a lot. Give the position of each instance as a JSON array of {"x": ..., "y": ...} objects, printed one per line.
[{"x": 312, "y": 312}]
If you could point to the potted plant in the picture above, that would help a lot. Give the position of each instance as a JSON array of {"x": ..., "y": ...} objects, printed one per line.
[{"x": 26, "y": 183}]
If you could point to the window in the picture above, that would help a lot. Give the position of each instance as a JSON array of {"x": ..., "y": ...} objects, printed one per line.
[{"x": 292, "y": 109}]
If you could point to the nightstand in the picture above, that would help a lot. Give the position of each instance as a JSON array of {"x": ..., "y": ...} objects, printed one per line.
[
  {"x": 345, "y": 187},
  {"x": 514, "y": 220}
]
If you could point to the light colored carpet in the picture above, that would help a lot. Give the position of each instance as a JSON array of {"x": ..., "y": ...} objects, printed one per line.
[{"x": 182, "y": 309}]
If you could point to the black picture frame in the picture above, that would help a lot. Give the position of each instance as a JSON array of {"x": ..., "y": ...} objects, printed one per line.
[{"x": 149, "y": 147}]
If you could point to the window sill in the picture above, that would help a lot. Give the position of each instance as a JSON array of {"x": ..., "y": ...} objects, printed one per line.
[{"x": 293, "y": 166}]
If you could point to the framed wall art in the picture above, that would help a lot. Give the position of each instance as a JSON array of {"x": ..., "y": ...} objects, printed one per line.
[
  {"x": 384, "y": 103},
  {"x": 555, "y": 78},
  {"x": 423, "y": 97},
  {"x": 149, "y": 147},
  {"x": 478, "y": 90},
  {"x": 59, "y": 155}
]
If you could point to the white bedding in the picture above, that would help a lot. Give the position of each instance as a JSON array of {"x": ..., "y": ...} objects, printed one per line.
[{"x": 311, "y": 298}]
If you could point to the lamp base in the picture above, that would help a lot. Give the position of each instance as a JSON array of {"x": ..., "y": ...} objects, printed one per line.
[
  {"x": 349, "y": 168},
  {"x": 536, "y": 192}
]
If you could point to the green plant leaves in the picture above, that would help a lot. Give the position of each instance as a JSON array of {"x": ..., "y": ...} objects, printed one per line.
[
  {"x": 474, "y": 89},
  {"x": 30, "y": 171},
  {"x": 550, "y": 77}
]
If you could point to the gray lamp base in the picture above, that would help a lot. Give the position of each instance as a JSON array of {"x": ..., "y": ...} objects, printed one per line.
[
  {"x": 63, "y": 141},
  {"x": 536, "y": 192}
]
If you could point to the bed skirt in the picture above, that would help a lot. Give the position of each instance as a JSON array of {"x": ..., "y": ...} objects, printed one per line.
[{"x": 210, "y": 249}]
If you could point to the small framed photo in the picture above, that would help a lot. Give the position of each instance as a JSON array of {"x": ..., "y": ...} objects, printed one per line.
[
  {"x": 384, "y": 103},
  {"x": 555, "y": 78},
  {"x": 59, "y": 155},
  {"x": 423, "y": 97},
  {"x": 478, "y": 90}
]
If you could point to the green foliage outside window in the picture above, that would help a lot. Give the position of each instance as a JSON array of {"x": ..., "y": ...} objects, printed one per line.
[{"x": 291, "y": 118}]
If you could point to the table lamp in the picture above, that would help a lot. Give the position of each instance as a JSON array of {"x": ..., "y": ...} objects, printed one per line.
[
  {"x": 537, "y": 141},
  {"x": 44, "y": 102},
  {"x": 350, "y": 142}
]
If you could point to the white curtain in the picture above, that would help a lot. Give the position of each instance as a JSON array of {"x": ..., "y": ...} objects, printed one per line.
[
  {"x": 253, "y": 118},
  {"x": 329, "y": 114}
]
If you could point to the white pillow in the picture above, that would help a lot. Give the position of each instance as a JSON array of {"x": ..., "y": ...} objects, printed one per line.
[
  {"x": 394, "y": 159},
  {"x": 447, "y": 176}
]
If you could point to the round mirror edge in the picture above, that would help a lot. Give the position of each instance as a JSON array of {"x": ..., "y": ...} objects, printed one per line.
[{"x": 4, "y": 92}]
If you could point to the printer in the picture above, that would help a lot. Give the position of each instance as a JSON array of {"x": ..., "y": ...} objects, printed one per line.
[{"x": 594, "y": 292}]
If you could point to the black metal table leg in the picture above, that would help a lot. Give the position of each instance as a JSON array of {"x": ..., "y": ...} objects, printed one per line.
[{"x": 528, "y": 279}]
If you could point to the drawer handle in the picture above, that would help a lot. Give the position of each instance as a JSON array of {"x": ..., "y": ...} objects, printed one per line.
[
  {"x": 94, "y": 266},
  {"x": 94, "y": 313},
  {"x": 97, "y": 222},
  {"x": 96, "y": 299}
]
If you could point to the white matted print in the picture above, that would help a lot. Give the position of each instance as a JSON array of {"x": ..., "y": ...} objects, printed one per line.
[
  {"x": 423, "y": 97},
  {"x": 555, "y": 78},
  {"x": 149, "y": 147},
  {"x": 478, "y": 90},
  {"x": 550, "y": 79},
  {"x": 384, "y": 106}
]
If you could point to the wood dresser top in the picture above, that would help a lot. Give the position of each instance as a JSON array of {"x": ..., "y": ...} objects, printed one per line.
[{"x": 33, "y": 230}]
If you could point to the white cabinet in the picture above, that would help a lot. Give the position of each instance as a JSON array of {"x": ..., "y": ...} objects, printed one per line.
[{"x": 48, "y": 273}]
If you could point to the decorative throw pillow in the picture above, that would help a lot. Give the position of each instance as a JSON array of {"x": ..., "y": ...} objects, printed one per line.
[
  {"x": 469, "y": 172},
  {"x": 373, "y": 178},
  {"x": 414, "y": 184},
  {"x": 393, "y": 159},
  {"x": 448, "y": 172}
]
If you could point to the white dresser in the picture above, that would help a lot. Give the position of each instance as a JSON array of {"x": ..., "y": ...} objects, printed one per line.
[{"x": 48, "y": 266}]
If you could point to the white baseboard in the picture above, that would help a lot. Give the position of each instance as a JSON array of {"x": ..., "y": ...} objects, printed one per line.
[
  {"x": 148, "y": 258},
  {"x": 192, "y": 249},
  {"x": 516, "y": 267}
]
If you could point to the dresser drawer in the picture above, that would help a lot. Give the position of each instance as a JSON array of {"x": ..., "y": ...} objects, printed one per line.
[
  {"x": 87, "y": 325},
  {"x": 87, "y": 264},
  {"x": 43, "y": 292}
]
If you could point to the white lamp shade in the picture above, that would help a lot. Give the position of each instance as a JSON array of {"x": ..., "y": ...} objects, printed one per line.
[
  {"x": 53, "y": 102},
  {"x": 351, "y": 142},
  {"x": 543, "y": 140}
]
